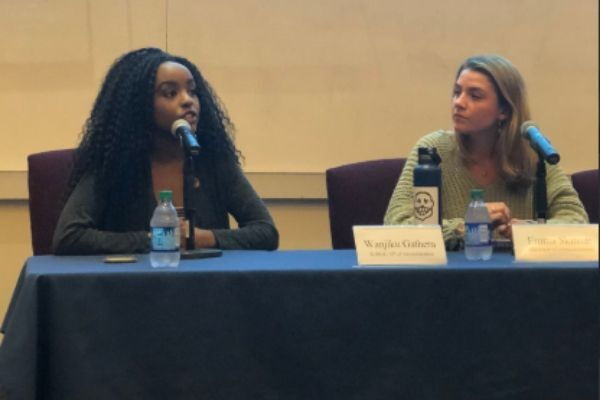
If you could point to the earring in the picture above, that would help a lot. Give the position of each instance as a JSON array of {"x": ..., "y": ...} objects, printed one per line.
[{"x": 500, "y": 124}]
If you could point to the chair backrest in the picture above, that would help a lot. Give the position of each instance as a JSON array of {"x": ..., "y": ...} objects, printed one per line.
[
  {"x": 358, "y": 194},
  {"x": 586, "y": 184},
  {"x": 48, "y": 173}
]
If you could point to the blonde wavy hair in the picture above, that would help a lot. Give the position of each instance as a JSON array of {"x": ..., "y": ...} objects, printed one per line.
[{"x": 515, "y": 158}]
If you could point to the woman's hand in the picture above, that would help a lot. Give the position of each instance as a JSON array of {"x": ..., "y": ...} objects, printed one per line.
[
  {"x": 203, "y": 238},
  {"x": 183, "y": 233},
  {"x": 500, "y": 216}
]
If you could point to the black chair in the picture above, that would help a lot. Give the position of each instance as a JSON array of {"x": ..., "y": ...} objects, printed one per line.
[
  {"x": 48, "y": 173},
  {"x": 586, "y": 185},
  {"x": 358, "y": 194}
]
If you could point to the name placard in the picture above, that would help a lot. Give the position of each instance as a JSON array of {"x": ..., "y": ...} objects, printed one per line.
[
  {"x": 555, "y": 242},
  {"x": 399, "y": 245}
]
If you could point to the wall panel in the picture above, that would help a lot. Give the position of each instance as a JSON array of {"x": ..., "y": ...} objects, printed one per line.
[
  {"x": 308, "y": 84},
  {"x": 314, "y": 84}
]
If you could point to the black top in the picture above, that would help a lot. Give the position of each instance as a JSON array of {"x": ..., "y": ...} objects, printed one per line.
[{"x": 223, "y": 190}]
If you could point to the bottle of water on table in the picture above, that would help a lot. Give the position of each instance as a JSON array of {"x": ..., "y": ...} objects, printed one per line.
[
  {"x": 478, "y": 228},
  {"x": 165, "y": 233}
]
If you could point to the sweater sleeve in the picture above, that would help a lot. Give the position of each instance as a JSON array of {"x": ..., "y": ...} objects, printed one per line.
[
  {"x": 564, "y": 205},
  {"x": 401, "y": 207},
  {"x": 256, "y": 229},
  {"x": 78, "y": 229}
]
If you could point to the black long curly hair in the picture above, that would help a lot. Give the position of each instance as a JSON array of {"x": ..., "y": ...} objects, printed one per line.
[{"x": 116, "y": 142}]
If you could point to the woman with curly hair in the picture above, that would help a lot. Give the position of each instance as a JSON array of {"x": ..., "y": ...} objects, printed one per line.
[
  {"x": 127, "y": 155},
  {"x": 486, "y": 150}
]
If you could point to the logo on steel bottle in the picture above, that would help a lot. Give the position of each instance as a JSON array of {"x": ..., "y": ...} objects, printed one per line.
[{"x": 424, "y": 205}]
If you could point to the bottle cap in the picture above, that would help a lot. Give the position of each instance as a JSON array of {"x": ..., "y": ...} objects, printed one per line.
[
  {"x": 166, "y": 195},
  {"x": 476, "y": 194}
]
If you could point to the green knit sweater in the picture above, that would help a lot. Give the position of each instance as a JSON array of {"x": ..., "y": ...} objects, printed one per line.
[{"x": 564, "y": 205}]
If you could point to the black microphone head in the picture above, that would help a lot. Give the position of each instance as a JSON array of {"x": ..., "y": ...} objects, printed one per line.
[
  {"x": 180, "y": 123},
  {"x": 525, "y": 126}
]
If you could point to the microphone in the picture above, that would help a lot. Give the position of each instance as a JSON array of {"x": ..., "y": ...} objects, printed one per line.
[
  {"x": 182, "y": 129},
  {"x": 538, "y": 142}
]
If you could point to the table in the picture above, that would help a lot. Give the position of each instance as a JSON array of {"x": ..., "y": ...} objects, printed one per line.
[{"x": 301, "y": 325}]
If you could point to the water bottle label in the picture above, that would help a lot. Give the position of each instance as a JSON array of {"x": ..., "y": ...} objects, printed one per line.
[
  {"x": 477, "y": 234},
  {"x": 165, "y": 239},
  {"x": 426, "y": 208}
]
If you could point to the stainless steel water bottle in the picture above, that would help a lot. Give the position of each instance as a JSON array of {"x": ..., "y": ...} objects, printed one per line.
[{"x": 427, "y": 187}]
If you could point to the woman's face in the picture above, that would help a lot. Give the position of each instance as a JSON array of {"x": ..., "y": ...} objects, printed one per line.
[
  {"x": 174, "y": 96},
  {"x": 475, "y": 107}
]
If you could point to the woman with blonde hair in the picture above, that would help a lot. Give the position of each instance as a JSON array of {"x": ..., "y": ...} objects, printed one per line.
[{"x": 486, "y": 150}]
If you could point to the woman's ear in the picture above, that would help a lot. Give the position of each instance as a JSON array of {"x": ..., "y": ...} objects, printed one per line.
[{"x": 503, "y": 114}]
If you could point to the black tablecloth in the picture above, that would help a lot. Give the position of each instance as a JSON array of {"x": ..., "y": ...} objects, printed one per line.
[{"x": 301, "y": 325}]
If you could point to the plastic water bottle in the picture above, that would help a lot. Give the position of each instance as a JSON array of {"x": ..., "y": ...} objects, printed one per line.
[
  {"x": 165, "y": 233},
  {"x": 427, "y": 187},
  {"x": 478, "y": 228}
]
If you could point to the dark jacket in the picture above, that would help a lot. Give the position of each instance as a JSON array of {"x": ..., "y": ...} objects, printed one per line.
[{"x": 223, "y": 190}]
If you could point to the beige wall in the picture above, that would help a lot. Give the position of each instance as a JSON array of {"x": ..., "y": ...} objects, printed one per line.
[
  {"x": 309, "y": 84},
  {"x": 15, "y": 247}
]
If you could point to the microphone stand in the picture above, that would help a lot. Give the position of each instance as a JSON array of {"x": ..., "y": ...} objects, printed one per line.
[
  {"x": 540, "y": 192},
  {"x": 189, "y": 177}
]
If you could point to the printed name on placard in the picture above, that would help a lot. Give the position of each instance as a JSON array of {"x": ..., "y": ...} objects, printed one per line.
[{"x": 400, "y": 245}]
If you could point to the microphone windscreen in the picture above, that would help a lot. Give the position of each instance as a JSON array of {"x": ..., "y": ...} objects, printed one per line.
[
  {"x": 179, "y": 124},
  {"x": 525, "y": 126}
]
